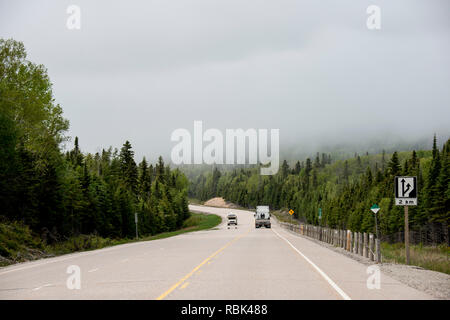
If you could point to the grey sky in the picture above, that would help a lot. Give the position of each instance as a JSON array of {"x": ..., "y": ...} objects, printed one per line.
[{"x": 137, "y": 70}]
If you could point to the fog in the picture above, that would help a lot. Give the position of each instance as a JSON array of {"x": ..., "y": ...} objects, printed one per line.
[{"x": 138, "y": 70}]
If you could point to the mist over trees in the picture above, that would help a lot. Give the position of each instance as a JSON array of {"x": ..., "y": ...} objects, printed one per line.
[
  {"x": 344, "y": 189},
  {"x": 63, "y": 194}
]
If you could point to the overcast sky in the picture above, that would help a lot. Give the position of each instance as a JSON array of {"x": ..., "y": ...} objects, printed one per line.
[{"x": 138, "y": 70}]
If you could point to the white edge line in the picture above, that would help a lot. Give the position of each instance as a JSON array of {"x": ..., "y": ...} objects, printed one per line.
[
  {"x": 323, "y": 274},
  {"x": 45, "y": 285}
]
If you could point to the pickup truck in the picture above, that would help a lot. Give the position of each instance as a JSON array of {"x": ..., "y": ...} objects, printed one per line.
[{"x": 262, "y": 217}]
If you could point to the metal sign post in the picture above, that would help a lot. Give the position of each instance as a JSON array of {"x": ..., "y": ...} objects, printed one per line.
[
  {"x": 291, "y": 212},
  {"x": 375, "y": 208},
  {"x": 406, "y": 195}
]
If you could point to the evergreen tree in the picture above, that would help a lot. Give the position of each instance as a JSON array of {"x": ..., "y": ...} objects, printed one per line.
[
  {"x": 128, "y": 166},
  {"x": 394, "y": 165}
]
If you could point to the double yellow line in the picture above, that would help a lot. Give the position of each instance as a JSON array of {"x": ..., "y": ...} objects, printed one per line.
[{"x": 165, "y": 294}]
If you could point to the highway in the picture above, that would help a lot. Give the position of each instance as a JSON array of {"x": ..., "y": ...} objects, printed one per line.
[{"x": 221, "y": 263}]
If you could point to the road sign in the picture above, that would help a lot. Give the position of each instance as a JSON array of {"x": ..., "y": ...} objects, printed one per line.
[
  {"x": 375, "y": 208},
  {"x": 320, "y": 213},
  {"x": 291, "y": 212},
  {"x": 405, "y": 191}
]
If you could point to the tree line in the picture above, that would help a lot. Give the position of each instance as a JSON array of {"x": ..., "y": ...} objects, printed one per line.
[
  {"x": 59, "y": 194},
  {"x": 344, "y": 189}
]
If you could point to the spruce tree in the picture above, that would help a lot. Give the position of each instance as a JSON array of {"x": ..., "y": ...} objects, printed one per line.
[
  {"x": 394, "y": 165},
  {"x": 128, "y": 166}
]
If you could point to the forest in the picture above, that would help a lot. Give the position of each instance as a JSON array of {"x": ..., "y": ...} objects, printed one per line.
[
  {"x": 345, "y": 190},
  {"x": 61, "y": 194}
]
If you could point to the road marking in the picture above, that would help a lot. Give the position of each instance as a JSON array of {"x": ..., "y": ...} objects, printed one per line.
[
  {"x": 93, "y": 270},
  {"x": 45, "y": 285},
  {"x": 125, "y": 260},
  {"x": 165, "y": 294},
  {"x": 323, "y": 274},
  {"x": 184, "y": 285}
]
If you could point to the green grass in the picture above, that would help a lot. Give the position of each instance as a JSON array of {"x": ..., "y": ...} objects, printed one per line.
[
  {"x": 428, "y": 257},
  {"x": 195, "y": 201},
  {"x": 18, "y": 244},
  {"x": 197, "y": 222}
]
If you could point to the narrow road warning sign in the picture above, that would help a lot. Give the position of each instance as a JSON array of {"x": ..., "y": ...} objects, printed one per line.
[{"x": 405, "y": 191}]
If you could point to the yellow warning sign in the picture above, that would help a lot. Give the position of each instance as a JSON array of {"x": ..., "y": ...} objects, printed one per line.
[{"x": 291, "y": 212}]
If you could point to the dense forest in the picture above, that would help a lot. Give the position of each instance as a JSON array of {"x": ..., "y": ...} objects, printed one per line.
[
  {"x": 344, "y": 189},
  {"x": 59, "y": 194}
]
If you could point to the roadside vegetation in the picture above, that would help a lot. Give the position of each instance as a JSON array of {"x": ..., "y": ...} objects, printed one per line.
[
  {"x": 19, "y": 244},
  {"x": 195, "y": 201},
  {"x": 71, "y": 200},
  {"x": 436, "y": 258}
]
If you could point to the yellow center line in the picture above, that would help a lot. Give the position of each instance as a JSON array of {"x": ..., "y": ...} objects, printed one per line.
[
  {"x": 184, "y": 285},
  {"x": 165, "y": 294}
]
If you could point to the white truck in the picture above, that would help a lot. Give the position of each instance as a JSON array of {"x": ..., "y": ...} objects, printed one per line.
[
  {"x": 232, "y": 220},
  {"x": 262, "y": 217}
]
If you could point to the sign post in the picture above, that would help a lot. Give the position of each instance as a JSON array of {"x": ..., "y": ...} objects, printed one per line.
[
  {"x": 406, "y": 195},
  {"x": 291, "y": 212},
  {"x": 375, "y": 208},
  {"x": 136, "y": 222}
]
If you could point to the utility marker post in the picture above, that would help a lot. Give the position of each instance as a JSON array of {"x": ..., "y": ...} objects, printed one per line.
[
  {"x": 375, "y": 208},
  {"x": 406, "y": 195},
  {"x": 136, "y": 222}
]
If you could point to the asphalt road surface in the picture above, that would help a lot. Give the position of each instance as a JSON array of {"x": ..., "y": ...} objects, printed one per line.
[{"x": 222, "y": 263}]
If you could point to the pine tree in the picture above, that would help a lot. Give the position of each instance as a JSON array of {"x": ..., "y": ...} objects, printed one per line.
[
  {"x": 394, "y": 165},
  {"x": 128, "y": 166},
  {"x": 297, "y": 168},
  {"x": 144, "y": 180},
  {"x": 284, "y": 170},
  {"x": 76, "y": 156}
]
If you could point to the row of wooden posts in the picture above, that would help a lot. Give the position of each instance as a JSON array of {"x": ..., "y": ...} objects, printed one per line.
[{"x": 361, "y": 243}]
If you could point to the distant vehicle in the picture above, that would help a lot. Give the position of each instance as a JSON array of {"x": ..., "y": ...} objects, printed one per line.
[
  {"x": 232, "y": 220},
  {"x": 262, "y": 217}
]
